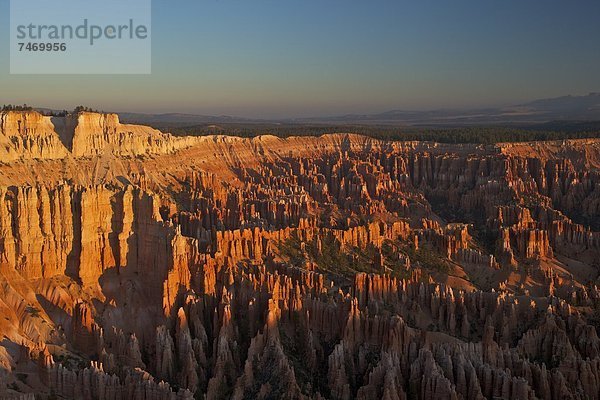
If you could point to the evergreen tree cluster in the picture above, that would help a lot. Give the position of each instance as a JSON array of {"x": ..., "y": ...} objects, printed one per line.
[
  {"x": 80, "y": 109},
  {"x": 10, "y": 107},
  {"x": 49, "y": 113},
  {"x": 471, "y": 134}
]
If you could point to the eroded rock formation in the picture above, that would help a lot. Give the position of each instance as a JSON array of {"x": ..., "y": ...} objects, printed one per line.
[{"x": 138, "y": 265}]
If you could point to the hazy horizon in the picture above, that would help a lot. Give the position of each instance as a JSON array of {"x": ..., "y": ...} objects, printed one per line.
[
  {"x": 274, "y": 60},
  {"x": 72, "y": 106}
]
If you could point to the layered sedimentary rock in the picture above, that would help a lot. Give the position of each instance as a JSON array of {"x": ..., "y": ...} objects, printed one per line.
[
  {"x": 337, "y": 267},
  {"x": 30, "y": 135}
]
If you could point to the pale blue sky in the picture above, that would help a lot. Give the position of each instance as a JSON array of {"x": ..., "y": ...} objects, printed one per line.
[{"x": 286, "y": 58}]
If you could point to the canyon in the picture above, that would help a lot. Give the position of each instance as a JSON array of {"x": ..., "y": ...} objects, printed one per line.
[{"x": 139, "y": 265}]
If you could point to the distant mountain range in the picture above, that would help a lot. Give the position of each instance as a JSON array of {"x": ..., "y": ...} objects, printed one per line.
[
  {"x": 559, "y": 109},
  {"x": 180, "y": 119},
  {"x": 566, "y": 108}
]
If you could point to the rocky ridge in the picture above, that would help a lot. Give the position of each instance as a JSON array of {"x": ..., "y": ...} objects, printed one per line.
[{"x": 138, "y": 265}]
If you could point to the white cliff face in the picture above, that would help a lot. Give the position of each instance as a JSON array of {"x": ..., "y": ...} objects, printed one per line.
[
  {"x": 30, "y": 135},
  {"x": 96, "y": 134}
]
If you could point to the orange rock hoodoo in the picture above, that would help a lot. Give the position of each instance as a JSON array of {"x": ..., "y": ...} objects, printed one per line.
[{"x": 134, "y": 264}]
